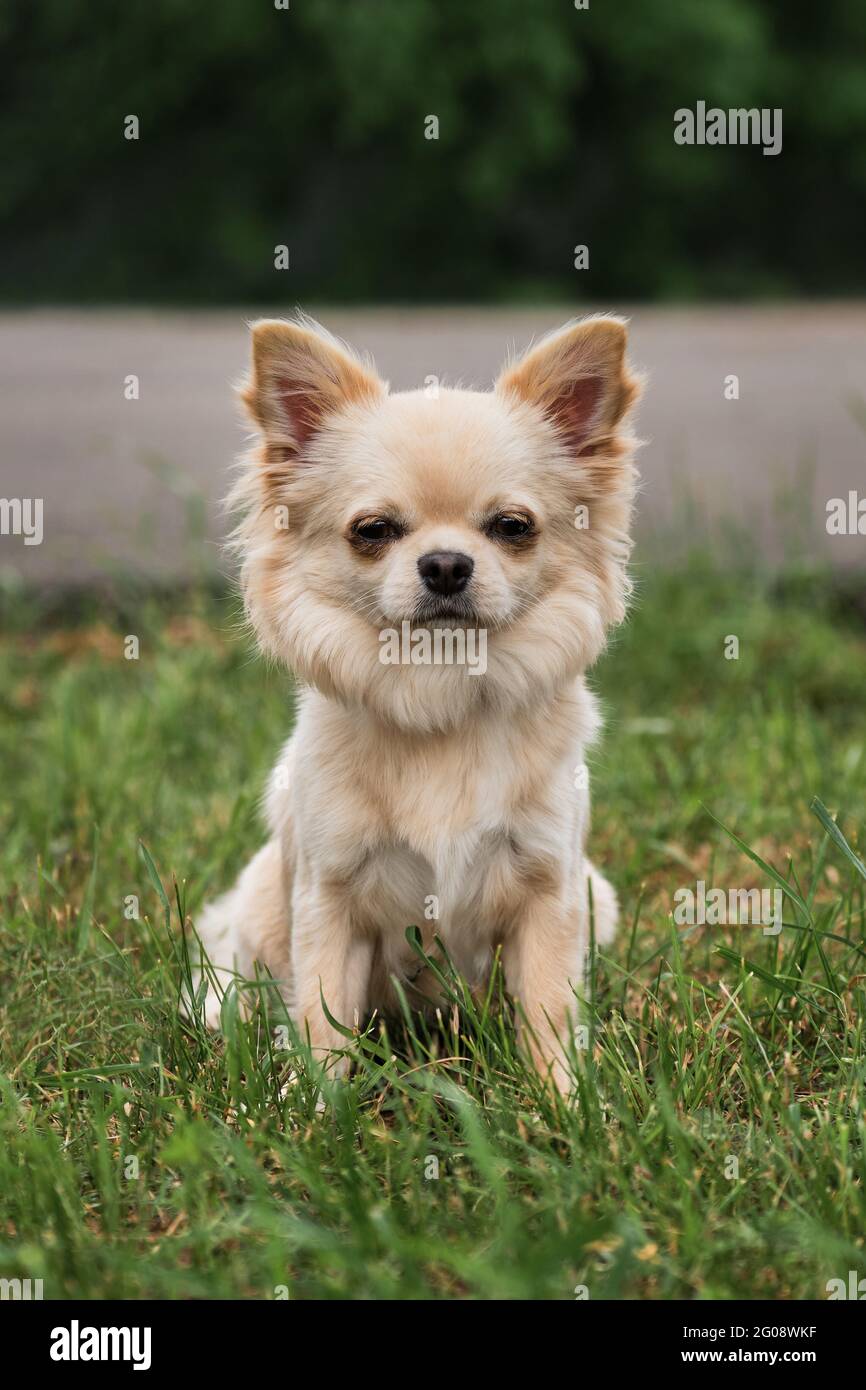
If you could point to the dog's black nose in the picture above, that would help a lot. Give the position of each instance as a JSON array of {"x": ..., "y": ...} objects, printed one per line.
[{"x": 445, "y": 571}]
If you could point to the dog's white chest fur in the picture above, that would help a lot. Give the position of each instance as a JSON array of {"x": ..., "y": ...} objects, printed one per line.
[{"x": 450, "y": 834}]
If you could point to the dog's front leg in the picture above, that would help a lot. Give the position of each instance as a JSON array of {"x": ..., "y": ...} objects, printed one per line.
[
  {"x": 331, "y": 961},
  {"x": 543, "y": 959}
]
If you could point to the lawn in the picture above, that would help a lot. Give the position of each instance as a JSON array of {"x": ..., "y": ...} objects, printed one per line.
[{"x": 716, "y": 1145}]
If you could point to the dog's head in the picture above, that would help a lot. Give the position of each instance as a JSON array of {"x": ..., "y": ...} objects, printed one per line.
[{"x": 506, "y": 512}]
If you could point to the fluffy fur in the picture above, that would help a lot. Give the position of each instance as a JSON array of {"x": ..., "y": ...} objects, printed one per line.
[{"x": 406, "y": 786}]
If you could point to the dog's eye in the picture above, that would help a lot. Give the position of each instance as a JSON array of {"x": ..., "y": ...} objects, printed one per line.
[
  {"x": 376, "y": 529},
  {"x": 510, "y": 526}
]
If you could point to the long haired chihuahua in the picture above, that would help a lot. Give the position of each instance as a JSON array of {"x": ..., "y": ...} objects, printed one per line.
[{"x": 439, "y": 568}]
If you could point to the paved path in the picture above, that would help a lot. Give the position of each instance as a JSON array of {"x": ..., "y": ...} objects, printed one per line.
[{"x": 130, "y": 483}]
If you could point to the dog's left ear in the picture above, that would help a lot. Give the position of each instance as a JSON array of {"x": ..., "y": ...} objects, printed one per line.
[
  {"x": 579, "y": 378},
  {"x": 300, "y": 376}
]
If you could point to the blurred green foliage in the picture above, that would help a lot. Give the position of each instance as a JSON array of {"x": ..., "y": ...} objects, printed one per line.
[{"x": 261, "y": 126}]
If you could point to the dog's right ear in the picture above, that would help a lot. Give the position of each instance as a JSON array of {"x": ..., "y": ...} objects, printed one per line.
[
  {"x": 580, "y": 380},
  {"x": 301, "y": 374}
]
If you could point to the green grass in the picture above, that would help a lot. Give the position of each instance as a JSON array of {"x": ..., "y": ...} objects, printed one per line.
[{"x": 707, "y": 1044}]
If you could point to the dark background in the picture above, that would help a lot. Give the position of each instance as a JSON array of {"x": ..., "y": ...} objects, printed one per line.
[{"x": 306, "y": 127}]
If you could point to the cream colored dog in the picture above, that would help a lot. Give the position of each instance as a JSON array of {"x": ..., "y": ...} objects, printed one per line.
[{"x": 442, "y": 794}]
